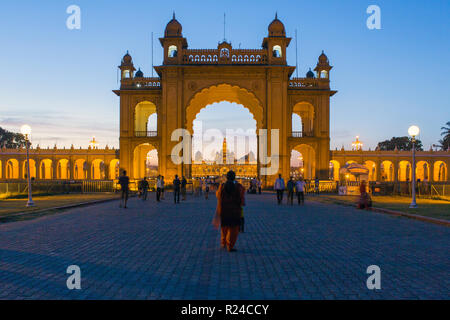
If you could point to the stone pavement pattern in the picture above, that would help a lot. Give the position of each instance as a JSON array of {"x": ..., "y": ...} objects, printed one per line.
[{"x": 166, "y": 251}]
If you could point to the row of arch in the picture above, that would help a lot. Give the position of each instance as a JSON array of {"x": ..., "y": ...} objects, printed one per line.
[
  {"x": 48, "y": 169},
  {"x": 425, "y": 171},
  {"x": 234, "y": 58}
]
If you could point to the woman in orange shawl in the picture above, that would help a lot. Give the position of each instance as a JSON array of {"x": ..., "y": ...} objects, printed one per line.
[{"x": 230, "y": 200}]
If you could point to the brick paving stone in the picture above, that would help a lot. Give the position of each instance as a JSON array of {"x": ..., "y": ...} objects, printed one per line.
[{"x": 165, "y": 251}]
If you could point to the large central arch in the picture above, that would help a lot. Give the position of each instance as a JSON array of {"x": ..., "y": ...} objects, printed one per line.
[{"x": 224, "y": 92}]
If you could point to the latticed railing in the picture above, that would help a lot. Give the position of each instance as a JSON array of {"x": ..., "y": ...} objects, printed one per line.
[
  {"x": 146, "y": 133},
  {"x": 302, "y": 134},
  {"x": 309, "y": 83},
  {"x": 233, "y": 56},
  {"x": 142, "y": 83}
]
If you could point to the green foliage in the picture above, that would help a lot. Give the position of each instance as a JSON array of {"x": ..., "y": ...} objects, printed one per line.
[
  {"x": 11, "y": 140},
  {"x": 445, "y": 141},
  {"x": 402, "y": 144}
]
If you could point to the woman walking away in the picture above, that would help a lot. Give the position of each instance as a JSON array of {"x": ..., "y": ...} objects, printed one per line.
[{"x": 230, "y": 200}]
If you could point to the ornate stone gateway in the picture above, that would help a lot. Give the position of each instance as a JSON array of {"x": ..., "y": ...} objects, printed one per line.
[{"x": 191, "y": 79}]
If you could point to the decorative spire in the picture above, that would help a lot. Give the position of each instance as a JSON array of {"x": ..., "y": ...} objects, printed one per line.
[
  {"x": 173, "y": 15},
  {"x": 276, "y": 15}
]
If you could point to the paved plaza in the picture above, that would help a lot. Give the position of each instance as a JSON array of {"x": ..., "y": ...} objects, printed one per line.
[{"x": 165, "y": 251}]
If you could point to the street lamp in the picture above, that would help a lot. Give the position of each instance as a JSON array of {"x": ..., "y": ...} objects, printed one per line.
[
  {"x": 26, "y": 131},
  {"x": 413, "y": 131},
  {"x": 357, "y": 145}
]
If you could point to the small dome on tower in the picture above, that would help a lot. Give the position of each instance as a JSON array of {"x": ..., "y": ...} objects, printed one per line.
[
  {"x": 127, "y": 59},
  {"x": 173, "y": 28},
  {"x": 310, "y": 74},
  {"x": 276, "y": 28},
  {"x": 323, "y": 59},
  {"x": 139, "y": 74}
]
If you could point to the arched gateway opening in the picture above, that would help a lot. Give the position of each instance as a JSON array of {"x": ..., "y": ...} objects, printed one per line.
[
  {"x": 303, "y": 162},
  {"x": 224, "y": 138},
  {"x": 224, "y": 120},
  {"x": 145, "y": 161}
]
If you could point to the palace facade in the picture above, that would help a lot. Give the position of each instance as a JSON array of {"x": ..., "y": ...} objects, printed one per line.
[{"x": 189, "y": 80}]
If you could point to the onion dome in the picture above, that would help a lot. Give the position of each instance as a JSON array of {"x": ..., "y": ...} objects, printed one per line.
[
  {"x": 139, "y": 74},
  {"x": 127, "y": 60},
  {"x": 323, "y": 59},
  {"x": 276, "y": 28},
  {"x": 310, "y": 74},
  {"x": 173, "y": 28}
]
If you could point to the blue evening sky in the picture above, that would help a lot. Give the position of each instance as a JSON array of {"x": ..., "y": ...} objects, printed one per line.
[{"x": 59, "y": 81}]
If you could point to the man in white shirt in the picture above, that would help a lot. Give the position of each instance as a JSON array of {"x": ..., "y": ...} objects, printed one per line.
[
  {"x": 279, "y": 187},
  {"x": 159, "y": 186},
  {"x": 300, "y": 188}
]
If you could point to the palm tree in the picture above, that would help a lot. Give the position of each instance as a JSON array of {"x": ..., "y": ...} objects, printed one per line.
[{"x": 445, "y": 141}]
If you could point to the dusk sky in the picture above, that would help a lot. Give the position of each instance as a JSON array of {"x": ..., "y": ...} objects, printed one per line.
[{"x": 59, "y": 80}]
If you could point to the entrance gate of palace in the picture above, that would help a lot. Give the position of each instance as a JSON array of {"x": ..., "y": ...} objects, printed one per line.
[{"x": 191, "y": 79}]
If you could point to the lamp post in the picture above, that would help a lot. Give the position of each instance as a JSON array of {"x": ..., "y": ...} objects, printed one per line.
[
  {"x": 26, "y": 131},
  {"x": 413, "y": 131}
]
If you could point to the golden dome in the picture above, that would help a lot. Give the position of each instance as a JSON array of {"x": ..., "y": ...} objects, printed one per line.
[
  {"x": 173, "y": 28},
  {"x": 323, "y": 59},
  {"x": 276, "y": 28},
  {"x": 127, "y": 59}
]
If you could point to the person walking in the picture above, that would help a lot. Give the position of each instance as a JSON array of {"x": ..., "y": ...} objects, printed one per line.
[
  {"x": 230, "y": 200},
  {"x": 300, "y": 188},
  {"x": 144, "y": 188},
  {"x": 162, "y": 188},
  {"x": 316, "y": 185},
  {"x": 124, "y": 182},
  {"x": 159, "y": 187},
  {"x": 258, "y": 182},
  {"x": 290, "y": 189},
  {"x": 279, "y": 188},
  {"x": 183, "y": 188},
  {"x": 200, "y": 186},
  {"x": 176, "y": 189},
  {"x": 364, "y": 198},
  {"x": 207, "y": 183}
]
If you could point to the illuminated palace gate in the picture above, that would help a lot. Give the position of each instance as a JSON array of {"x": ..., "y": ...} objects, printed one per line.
[{"x": 191, "y": 79}]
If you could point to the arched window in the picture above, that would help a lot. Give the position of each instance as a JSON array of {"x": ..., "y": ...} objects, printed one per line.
[
  {"x": 277, "y": 53},
  {"x": 172, "y": 53}
]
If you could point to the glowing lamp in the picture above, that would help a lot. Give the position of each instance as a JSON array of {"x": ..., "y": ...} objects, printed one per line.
[
  {"x": 25, "y": 130},
  {"x": 413, "y": 131}
]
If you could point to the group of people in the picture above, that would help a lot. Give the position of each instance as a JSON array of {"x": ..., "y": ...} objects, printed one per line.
[
  {"x": 202, "y": 186},
  {"x": 293, "y": 188},
  {"x": 255, "y": 186},
  {"x": 179, "y": 187}
]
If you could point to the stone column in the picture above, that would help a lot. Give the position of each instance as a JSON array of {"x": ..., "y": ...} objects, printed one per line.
[
  {"x": 378, "y": 170},
  {"x": 21, "y": 169},
  {"x": 431, "y": 171},
  {"x": 3, "y": 169}
]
